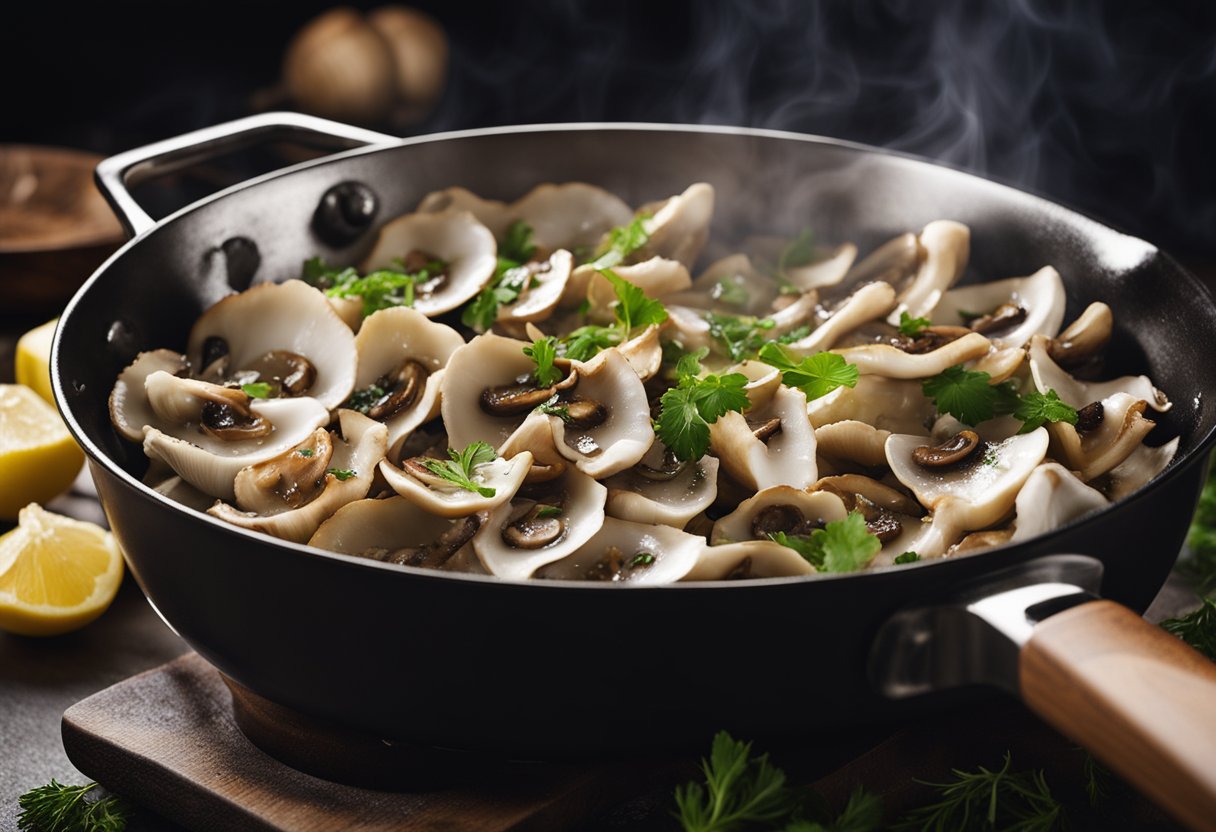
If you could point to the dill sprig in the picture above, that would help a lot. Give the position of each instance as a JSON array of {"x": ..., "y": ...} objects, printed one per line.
[
  {"x": 59, "y": 808},
  {"x": 1197, "y": 628}
]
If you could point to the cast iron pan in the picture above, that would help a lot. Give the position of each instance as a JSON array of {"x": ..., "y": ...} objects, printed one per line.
[{"x": 562, "y": 669}]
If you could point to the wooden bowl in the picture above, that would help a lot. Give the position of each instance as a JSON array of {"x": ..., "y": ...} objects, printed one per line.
[{"x": 55, "y": 226}]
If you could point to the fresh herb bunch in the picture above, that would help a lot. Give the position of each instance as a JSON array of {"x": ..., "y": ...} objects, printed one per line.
[
  {"x": 740, "y": 336},
  {"x": 1197, "y": 628},
  {"x": 689, "y": 408},
  {"x": 815, "y": 375},
  {"x": 59, "y": 808},
  {"x": 739, "y": 789},
  {"x": 1035, "y": 409},
  {"x": 586, "y": 341},
  {"x": 381, "y": 289},
  {"x": 543, "y": 352},
  {"x": 621, "y": 242},
  {"x": 459, "y": 470},
  {"x": 840, "y": 546}
]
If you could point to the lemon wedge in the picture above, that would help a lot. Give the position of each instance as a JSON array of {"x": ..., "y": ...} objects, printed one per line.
[
  {"x": 56, "y": 574},
  {"x": 33, "y": 366},
  {"x": 38, "y": 457}
]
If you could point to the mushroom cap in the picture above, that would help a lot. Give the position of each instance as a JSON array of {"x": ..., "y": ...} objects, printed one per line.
[
  {"x": 1122, "y": 430},
  {"x": 820, "y": 508},
  {"x": 867, "y": 303},
  {"x": 634, "y": 496},
  {"x": 1140, "y": 466},
  {"x": 291, "y": 316},
  {"x": 852, "y": 441},
  {"x": 826, "y": 270},
  {"x": 674, "y": 553},
  {"x": 888, "y": 404},
  {"x": 679, "y": 225},
  {"x": 129, "y": 406},
  {"x": 890, "y": 362},
  {"x": 488, "y": 360},
  {"x": 539, "y": 301},
  {"x": 456, "y": 237},
  {"x": 1041, "y": 295},
  {"x": 946, "y": 245},
  {"x": 787, "y": 458},
  {"x": 655, "y": 277},
  {"x": 1048, "y": 375},
  {"x": 365, "y": 526}
]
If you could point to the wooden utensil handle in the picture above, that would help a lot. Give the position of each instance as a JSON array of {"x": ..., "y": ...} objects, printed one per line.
[{"x": 1137, "y": 697}]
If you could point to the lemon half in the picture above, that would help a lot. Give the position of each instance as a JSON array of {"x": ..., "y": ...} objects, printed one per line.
[
  {"x": 56, "y": 574},
  {"x": 38, "y": 457},
  {"x": 33, "y": 364}
]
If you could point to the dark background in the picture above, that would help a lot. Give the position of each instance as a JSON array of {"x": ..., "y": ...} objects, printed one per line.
[{"x": 1109, "y": 107}]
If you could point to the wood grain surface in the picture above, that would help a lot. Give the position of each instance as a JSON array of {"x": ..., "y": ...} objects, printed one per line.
[{"x": 1141, "y": 700}]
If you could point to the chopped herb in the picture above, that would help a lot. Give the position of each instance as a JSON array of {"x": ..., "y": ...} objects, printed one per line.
[
  {"x": 460, "y": 468},
  {"x": 968, "y": 396},
  {"x": 482, "y": 311},
  {"x": 586, "y": 341},
  {"x": 342, "y": 474},
  {"x": 584, "y": 307},
  {"x": 59, "y": 808},
  {"x": 307, "y": 453},
  {"x": 517, "y": 244},
  {"x": 739, "y": 790},
  {"x": 553, "y": 407},
  {"x": 622, "y": 241},
  {"x": 688, "y": 409},
  {"x": 1036, "y": 408},
  {"x": 318, "y": 273},
  {"x": 379, "y": 290},
  {"x": 511, "y": 278},
  {"x": 548, "y": 511},
  {"x": 740, "y": 336},
  {"x": 795, "y": 334},
  {"x": 990, "y": 800},
  {"x": 365, "y": 399},
  {"x": 633, "y": 309},
  {"x": 641, "y": 559},
  {"x": 542, "y": 352},
  {"x": 1197, "y": 628},
  {"x": 257, "y": 390},
  {"x": 730, "y": 292},
  {"x": 800, "y": 251},
  {"x": 991, "y": 459},
  {"x": 1097, "y": 780},
  {"x": 815, "y": 375},
  {"x": 912, "y": 326},
  {"x": 907, "y": 557},
  {"x": 840, "y": 546}
]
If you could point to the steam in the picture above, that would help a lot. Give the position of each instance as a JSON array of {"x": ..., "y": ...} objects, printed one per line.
[{"x": 1100, "y": 105}]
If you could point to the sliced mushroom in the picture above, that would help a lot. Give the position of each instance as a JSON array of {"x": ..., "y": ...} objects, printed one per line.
[
  {"x": 946, "y": 246},
  {"x": 626, "y": 552},
  {"x": 951, "y": 452},
  {"x": 778, "y": 509},
  {"x": 289, "y": 317},
  {"x": 656, "y": 277},
  {"x": 889, "y": 362},
  {"x": 895, "y": 262},
  {"x": 130, "y": 410},
  {"x": 828, "y": 269},
  {"x": 888, "y": 404},
  {"x": 1079, "y": 347},
  {"x": 456, "y": 238},
  {"x": 536, "y": 436},
  {"x": 644, "y": 352},
  {"x": 852, "y": 441},
  {"x": 419, "y": 485},
  {"x": 679, "y": 226},
  {"x": 396, "y": 531},
  {"x": 1000, "y": 364},
  {"x": 1048, "y": 375},
  {"x": 1142, "y": 465},
  {"x": 662, "y": 489},
  {"x": 787, "y": 458},
  {"x": 891, "y": 515},
  {"x": 543, "y": 284},
  {"x": 1010, "y": 311},
  {"x": 1122, "y": 429},
  {"x": 1052, "y": 497},
  {"x": 748, "y": 559},
  {"x": 869, "y": 302},
  {"x": 278, "y": 497}
]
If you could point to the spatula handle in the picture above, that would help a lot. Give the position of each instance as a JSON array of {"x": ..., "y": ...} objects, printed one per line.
[{"x": 1137, "y": 697}]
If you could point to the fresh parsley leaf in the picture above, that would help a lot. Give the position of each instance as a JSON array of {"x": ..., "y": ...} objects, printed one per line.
[
  {"x": 482, "y": 312},
  {"x": 740, "y": 336},
  {"x": 815, "y": 375},
  {"x": 689, "y": 363},
  {"x": 257, "y": 390},
  {"x": 1035, "y": 408},
  {"x": 681, "y": 426},
  {"x": 907, "y": 557},
  {"x": 342, "y": 474},
  {"x": 968, "y": 396},
  {"x": 363, "y": 400},
  {"x": 912, "y": 326},
  {"x": 622, "y": 241},
  {"x": 379, "y": 290},
  {"x": 739, "y": 790},
  {"x": 800, "y": 251},
  {"x": 1197, "y": 628},
  {"x": 542, "y": 352},
  {"x": 586, "y": 341},
  {"x": 840, "y": 546},
  {"x": 633, "y": 309},
  {"x": 548, "y": 511},
  {"x": 59, "y": 808},
  {"x": 730, "y": 292},
  {"x": 717, "y": 395},
  {"x": 460, "y": 468},
  {"x": 989, "y": 800},
  {"x": 517, "y": 244}
]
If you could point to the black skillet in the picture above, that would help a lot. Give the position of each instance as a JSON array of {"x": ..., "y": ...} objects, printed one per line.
[{"x": 561, "y": 669}]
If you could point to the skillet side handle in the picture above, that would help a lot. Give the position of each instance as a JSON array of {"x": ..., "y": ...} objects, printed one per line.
[
  {"x": 117, "y": 173},
  {"x": 1140, "y": 699}
]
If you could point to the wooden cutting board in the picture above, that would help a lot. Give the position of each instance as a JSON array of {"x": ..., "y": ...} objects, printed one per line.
[{"x": 168, "y": 739}]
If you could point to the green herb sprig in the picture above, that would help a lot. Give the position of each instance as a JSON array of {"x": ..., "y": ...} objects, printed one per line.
[
  {"x": 543, "y": 352},
  {"x": 380, "y": 289},
  {"x": 689, "y": 408},
  {"x": 59, "y": 808},
  {"x": 632, "y": 311},
  {"x": 968, "y": 395},
  {"x": 511, "y": 278},
  {"x": 342, "y": 474},
  {"x": 840, "y": 546},
  {"x": 912, "y": 327},
  {"x": 256, "y": 390},
  {"x": 815, "y": 375},
  {"x": 621, "y": 242},
  {"x": 739, "y": 789},
  {"x": 460, "y": 468},
  {"x": 1197, "y": 628}
]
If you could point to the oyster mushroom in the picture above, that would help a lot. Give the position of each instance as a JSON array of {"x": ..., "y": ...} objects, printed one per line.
[
  {"x": 656, "y": 277},
  {"x": 748, "y": 559},
  {"x": 662, "y": 489},
  {"x": 969, "y": 497},
  {"x": 402, "y": 354},
  {"x": 625, "y": 552},
  {"x": 999, "y": 364},
  {"x": 541, "y": 526},
  {"x": 895, "y": 262},
  {"x": 1142, "y": 465},
  {"x": 868, "y": 302},
  {"x": 397, "y": 531},
  {"x": 890, "y": 362},
  {"x": 290, "y": 495},
  {"x": 439, "y": 496},
  {"x": 1011, "y": 311},
  {"x": 543, "y": 286},
  {"x": 828, "y": 269},
  {"x": 456, "y": 238},
  {"x": 536, "y": 436},
  {"x": 128, "y": 402},
  {"x": 786, "y": 457},
  {"x": 946, "y": 246},
  {"x": 239, "y": 337},
  {"x": 852, "y": 441},
  {"x": 1093, "y": 453},
  {"x": 888, "y": 404},
  {"x": 1048, "y": 375},
  {"x": 644, "y": 352},
  {"x": 1081, "y": 344},
  {"x": 779, "y": 508},
  {"x": 679, "y": 225},
  {"x": 1051, "y": 497},
  {"x": 604, "y": 424}
]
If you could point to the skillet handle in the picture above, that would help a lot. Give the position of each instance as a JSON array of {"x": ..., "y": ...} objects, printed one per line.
[
  {"x": 119, "y": 172},
  {"x": 1140, "y": 699}
]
